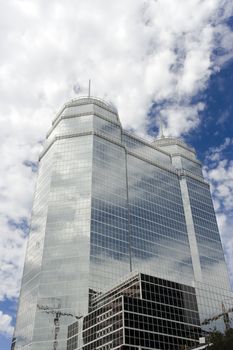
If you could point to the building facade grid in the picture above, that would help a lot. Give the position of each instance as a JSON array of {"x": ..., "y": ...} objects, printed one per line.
[{"x": 108, "y": 203}]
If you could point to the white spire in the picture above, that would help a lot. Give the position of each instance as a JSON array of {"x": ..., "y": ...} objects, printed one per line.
[
  {"x": 161, "y": 129},
  {"x": 89, "y": 88}
]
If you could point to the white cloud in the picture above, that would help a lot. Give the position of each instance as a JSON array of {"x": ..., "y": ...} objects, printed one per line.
[
  {"x": 180, "y": 119},
  {"x": 215, "y": 153},
  {"x": 225, "y": 223},
  {"x": 219, "y": 172},
  {"x": 136, "y": 52},
  {"x": 5, "y": 324},
  {"x": 12, "y": 248}
]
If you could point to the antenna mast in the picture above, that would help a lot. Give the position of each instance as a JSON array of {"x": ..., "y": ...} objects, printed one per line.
[
  {"x": 89, "y": 88},
  {"x": 161, "y": 128}
]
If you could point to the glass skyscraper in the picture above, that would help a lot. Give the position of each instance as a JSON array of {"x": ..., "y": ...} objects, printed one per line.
[{"x": 108, "y": 204}]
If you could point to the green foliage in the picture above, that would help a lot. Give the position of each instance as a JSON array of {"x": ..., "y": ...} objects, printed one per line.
[{"x": 222, "y": 341}]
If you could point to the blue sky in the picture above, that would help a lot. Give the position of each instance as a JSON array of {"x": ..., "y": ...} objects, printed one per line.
[
  {"x": 172, "y": 56},
  {"x": 217, "y": 118}
]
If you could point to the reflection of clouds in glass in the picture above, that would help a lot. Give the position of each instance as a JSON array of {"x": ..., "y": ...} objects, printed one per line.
[
  {"x": 62, "y": 210},
  {"x": 164, "y": 265},
  {"x": 212, "y": 298},
  {"x": 107, "y": 128},
  {"x": 106, "y": 269},
  {"x": 110, "y": 256},
  {"x": 70, "y": 126},
  {"x": 159, "y": 238},
  {"x": 212, "y": 260},
  {"x": 135, "y": 145},
  {"x": 214, "y": 272},
  {"x": 106, "y": 212},
  {"x": 31, "y": 277}
]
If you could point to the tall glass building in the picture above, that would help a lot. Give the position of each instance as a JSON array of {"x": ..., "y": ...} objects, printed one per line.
[{"x": 108, "y": 204}]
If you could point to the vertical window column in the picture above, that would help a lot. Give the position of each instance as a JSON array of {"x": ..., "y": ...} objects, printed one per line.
[{"x": 190, "y": 229}]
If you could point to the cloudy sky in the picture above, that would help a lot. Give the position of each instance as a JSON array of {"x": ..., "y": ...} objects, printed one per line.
[{"x": 168, "y": 60}]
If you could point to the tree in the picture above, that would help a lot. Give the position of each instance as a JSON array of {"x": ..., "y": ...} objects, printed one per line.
[{"x": 222, "y": 341}]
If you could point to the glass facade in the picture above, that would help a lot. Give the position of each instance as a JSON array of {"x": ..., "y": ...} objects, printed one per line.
[
  {"x": 108, "y": 203},
  {"x": 109, "y": 242},
  {"x": 159, "y": 239},
  {"x": 143, "y": 312}
]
